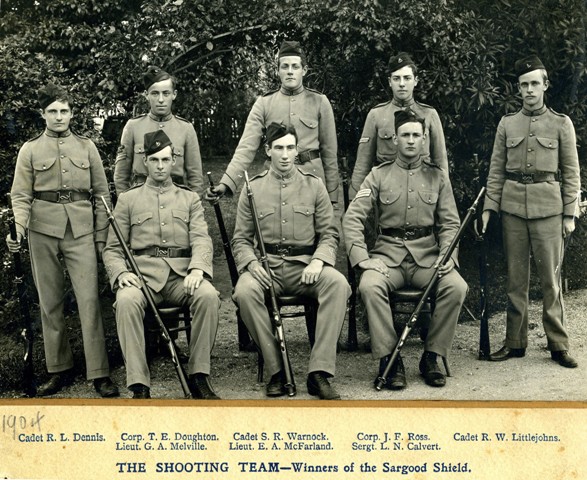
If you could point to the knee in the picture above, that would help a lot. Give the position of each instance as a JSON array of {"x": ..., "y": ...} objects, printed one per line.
[
  {"x": 247, "y": 289},
  {"x": 455, "y": 286},
  {"x": 129, "y": 298},
  {"x": 335, "y": 280},
  {"x": 370, "y": 285},
  {"x": 205, "y": 296}
]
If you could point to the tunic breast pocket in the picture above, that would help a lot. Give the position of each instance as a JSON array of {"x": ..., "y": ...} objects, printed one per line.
[
  {"x": 178, "y": 155},
  {"x": 515, "y": 153},
  {"x": 309, "y": 129},
  {"x": 45, "y": 175},
  {"x": 547, "y": 154},
  {"x": 303, "y": 222},
  {"x": 181, "y": 227},
  {"x": 266, "y": 217},
  {"x": 389, "y": 197},
  {"x": 80, "y": 173},
  {"x": 142, "y": 229},
  {"x": 427, "y": 207},
  {"x": 385, "y": 145}
]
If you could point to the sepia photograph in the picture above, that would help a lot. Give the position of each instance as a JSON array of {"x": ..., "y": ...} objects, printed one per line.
[{"x": 332, "y": 210}]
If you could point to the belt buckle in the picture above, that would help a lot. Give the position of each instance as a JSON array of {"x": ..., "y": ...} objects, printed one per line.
[
  {"x": 161, "y": 252},
  {"x": 527, "y": 178},
  {"x": 408, "y": 234},
  {"x": 63, "y": 197},
  {"x": 282, "y": 251}
]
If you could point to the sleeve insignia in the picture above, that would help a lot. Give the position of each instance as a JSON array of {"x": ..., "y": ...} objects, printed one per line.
[{"x": 365, "y": 192}]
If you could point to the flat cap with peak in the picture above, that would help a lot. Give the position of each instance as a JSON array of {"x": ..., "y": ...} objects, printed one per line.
[
  {"x": 400, "y": 60},
  {"x": 154, "y": 75},
  {"x": 291, "y": 48},
  {"x": 406, "y": 116},
  {"x": 155, "y": 142},
  {"x": 49, "y": 93},
  {"x": 528, "y": 64}
]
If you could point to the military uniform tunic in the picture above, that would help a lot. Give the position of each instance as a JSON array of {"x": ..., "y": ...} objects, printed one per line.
[
  {"x": 534, "y": 142},
  {"x": 64, "y": 162},
  {"x": 131, "y": 152},
  {"x": 293, "y": 210},
  {"x": 408, "y": 196},
  {"x": 376, "y": 144},
  {"x": 311, "y": 114},
  {"x": 165, "y": 217}
]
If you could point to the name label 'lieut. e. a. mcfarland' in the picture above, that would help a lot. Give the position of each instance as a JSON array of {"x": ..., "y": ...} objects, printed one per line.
[{"x": 307, "y": 441}]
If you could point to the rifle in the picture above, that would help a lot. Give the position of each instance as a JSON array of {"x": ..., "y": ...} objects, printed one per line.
[
  {"x": 414, "y": 317},
  {"x": 150, "y": 301},
  {"x": 28, "y": 373},
  {"x": 290, "y": 386},
  {"x": 352, "y": 342},
  {"x": 244, "y": 340},
  {"x": 484, "y": 343}
]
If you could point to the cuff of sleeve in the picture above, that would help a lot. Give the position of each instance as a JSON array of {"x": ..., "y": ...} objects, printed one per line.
[
  {"x": 242, "y": 263},
  {"x": 325, "y": 257},
  {"x": 207, "y": 269},
  {"x": 357, "y": 255},
  {"x": 490, "y": 204},
  {"x": 232, "y": 186}
]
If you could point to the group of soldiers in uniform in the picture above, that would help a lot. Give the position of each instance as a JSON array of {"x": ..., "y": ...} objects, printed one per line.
[{"x": 401, "y": 173}]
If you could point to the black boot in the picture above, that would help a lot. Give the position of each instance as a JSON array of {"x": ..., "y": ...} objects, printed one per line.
[
  {"x": 201, "y": 387},
  {"x": 396, "y": 380},
  {"x": 431, "y": 371}
]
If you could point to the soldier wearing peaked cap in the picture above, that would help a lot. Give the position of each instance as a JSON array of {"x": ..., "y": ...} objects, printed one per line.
[
  {"x": 534, "y": 183},
  {"x": 415, "y": 199},
  {"x": 307, "y": 110},
  {"x": 376, "y": 144},
  {"x": 165, "y": 228},
  {"x": 55, "y": 177},
  {"x": 301, "y": 238},
  {"x": 160, "y": 91}
]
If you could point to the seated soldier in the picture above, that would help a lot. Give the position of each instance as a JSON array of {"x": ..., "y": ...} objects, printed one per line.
[
  {"x": 301, "y": 238},
  {"x": 165, "y": 228},
  {"x": 414, "y": 198}
]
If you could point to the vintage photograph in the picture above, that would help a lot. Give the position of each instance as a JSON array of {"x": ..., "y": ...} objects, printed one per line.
[{"x": 340, "y": 200}]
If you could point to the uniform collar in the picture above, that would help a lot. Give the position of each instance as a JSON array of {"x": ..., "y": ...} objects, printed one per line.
[
  {"x": 160, "y": 189},
  {"x": 403, "y": 103},
  {"x": 51, "y": 133},
  {"x": 280, "y": 177},
  {"x": 160, "y": 118},
  {"x": 408, "y": 165},
  {"x": 534, "y": 113},
  {"x": 288, "y": 92}
]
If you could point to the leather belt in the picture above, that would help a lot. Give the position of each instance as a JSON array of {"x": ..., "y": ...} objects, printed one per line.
[
  {"x": 537, "y": 177},
  {"x": 289, "y": 250},
  {"x": 167, "y": 252},
  {"x": 140, "y": 178},
  {"x": 307, "y": 156},
  {"x": 406, "y": 233},
  {"x": 62, "y": 196}
]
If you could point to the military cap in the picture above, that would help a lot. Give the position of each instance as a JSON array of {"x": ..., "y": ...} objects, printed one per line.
[
  {"x": 291, "y": 48},
  {"x": 277, "y": 130},
  {"x": 154, "y": 75},
  {"x": 406, "y": 116},
  {"x": 528, "y": 64},
  {"x": 50, "y": 93},
  {"x": 156, "y": 141},
  {"x": 400, "y": 60}
]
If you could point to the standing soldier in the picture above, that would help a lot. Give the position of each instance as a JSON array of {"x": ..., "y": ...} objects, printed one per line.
[
  {"x": 298, "y": 225},
  {"x": 307, "y": 110},
  {"x": 415, "y": 199},
  {"x": 165, "y": 228},
  {"x": 537, "y": 206},
  {"x": 56, "y": 175},
  {"x": 160, "y": 91},
  {"x": 376, "y": 144}
]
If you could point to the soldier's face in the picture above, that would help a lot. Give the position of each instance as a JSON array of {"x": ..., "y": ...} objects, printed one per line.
[
  {"x": 283, "y": 152},
  {"x": 532, "y": 87},
  {"x": 161, "y": 96},
  {"x": 291, "y": 72},
  {"x": 159, "y": 164},
  {"x": 57, "y": 116},
  {"x": 409, "y": 139},
  {"x": 402, "y": 83}
]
